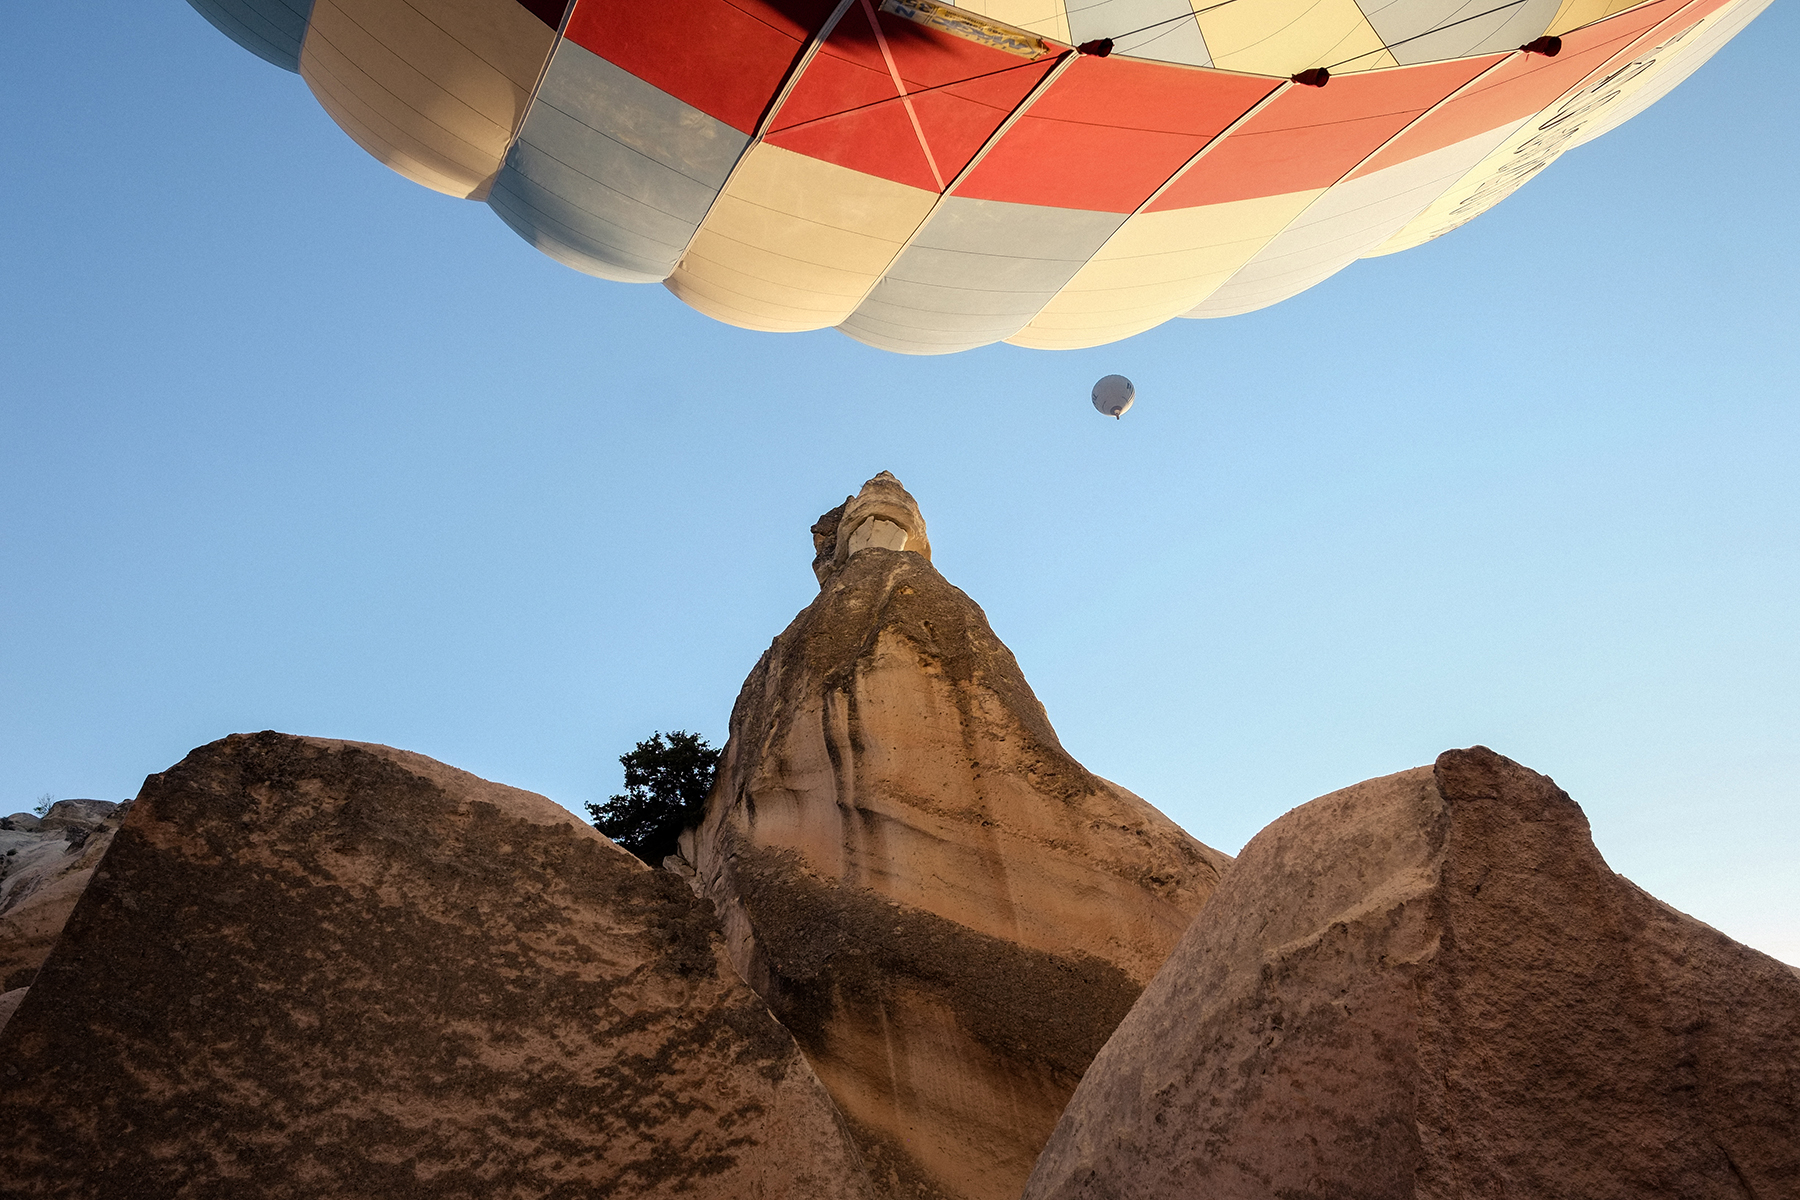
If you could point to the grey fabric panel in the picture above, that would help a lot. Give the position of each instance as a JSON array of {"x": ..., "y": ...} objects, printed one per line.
[
  {"x": 609, "y": 174},
  {"x": 977, "y": 274},
  {"x": 1343, "y": 225},
  {"x": 269, "y": 29},
  {"x": 1177, "y": 41},
  {"x": 1399, "y": 23}
]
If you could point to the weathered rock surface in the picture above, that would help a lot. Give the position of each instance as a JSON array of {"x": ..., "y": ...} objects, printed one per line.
[
  {"x": 1431, "y": 985},
  {"x": 9, "y": 1004},
  {"x": 310, "y": 968},
  {"x": 44, "y": 866},
  {"x": 949, "y": 912}
]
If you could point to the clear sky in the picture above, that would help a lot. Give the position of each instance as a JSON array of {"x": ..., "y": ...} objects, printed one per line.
[{"x": 289, "y": 442}]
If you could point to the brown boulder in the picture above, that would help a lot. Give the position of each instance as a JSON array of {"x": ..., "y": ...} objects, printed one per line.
[
  {"x": 78, "y": 814},
  {"x": 1431, "y": 985},
  {"x": 949, "y": 912},
  {"x": 313, "y": 968},
  {"x": 44, "y": 867}
]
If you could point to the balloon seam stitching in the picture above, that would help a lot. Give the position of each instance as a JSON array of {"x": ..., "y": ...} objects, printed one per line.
[
  {"x": 1032, "y": 97},
  {"x": 1217, "y": 139},
  {"x": 763, "y": 126},
  {"x": 1357, "y": 165},
  {"x": 912, "y": 114}
]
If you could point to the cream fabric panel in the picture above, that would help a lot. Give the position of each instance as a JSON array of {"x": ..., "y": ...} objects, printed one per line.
[
  {"x": 1348, "y": 221},
  {"x": 1282, "y": 37},
  {"x": 795, "y": 243},
  {"x": 1046, "y": 18},
  {"x": 433, "y": 88},
  {"x": 1573, "y": 119},
  {"x": 1575, "y": 13},
  {"x": 1157, "y": 266},
  {"x": 1693, "y": 51}
]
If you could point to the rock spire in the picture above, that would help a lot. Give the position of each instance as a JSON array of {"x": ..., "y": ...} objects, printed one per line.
[
  {"x": 883, "y": 514},
  {"x": 949, "y": 912}
]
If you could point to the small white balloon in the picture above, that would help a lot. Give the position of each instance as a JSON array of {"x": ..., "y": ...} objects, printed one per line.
[{"x": 1113, "y": 395}]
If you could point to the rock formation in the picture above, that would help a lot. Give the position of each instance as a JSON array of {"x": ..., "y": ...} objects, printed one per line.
[
  {"x": 45, "y": 862},
  {"x": 947, "y": 910},
  {"x": 311, "y": 968},
  {"x": 907, "y": 926},
  {"x": 1431, "y": 985}
]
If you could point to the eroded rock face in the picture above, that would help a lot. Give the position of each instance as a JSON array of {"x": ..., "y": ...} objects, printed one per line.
[
  {"x": 311, "y": 968},
  {"x": 45, "y": 864},
  {"x": 1431, "y": 985},
  {"x": 948, "y": 911},
  {"x": 883, "y": 514}
]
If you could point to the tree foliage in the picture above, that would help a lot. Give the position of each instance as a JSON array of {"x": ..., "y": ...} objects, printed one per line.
[{"x": 667, "y": 779}]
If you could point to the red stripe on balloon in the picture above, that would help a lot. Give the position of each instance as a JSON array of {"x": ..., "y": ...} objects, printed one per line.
[
  {"x": 1109, "y": 133},
  {"x": 1524, "y": 86},
  {"x": 846, "y": 109},
  {"x": 1309, "y": 137},
  {"x": 727, "y": 58}
]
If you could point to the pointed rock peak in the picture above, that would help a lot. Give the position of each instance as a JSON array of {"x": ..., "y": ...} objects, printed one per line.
[
  {"x": 949, "y": 912},
  {"x": 883, "y": 515}
]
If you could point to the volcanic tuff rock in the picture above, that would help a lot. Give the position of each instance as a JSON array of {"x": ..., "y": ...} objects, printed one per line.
[
  {"x": 314, "y": 968},
  {"x": 44, "y": 865},
  {"x": 882, "y": 514},
  {"x": 1431, "y": 985},
  {"x": 948, "y": 911}
]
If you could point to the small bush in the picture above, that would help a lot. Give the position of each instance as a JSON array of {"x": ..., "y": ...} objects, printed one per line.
[{"x": 667, "y": 779}]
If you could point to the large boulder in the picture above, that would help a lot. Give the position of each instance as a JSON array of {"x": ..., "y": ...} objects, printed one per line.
[
  {"x": 45, "y": 864},
  {"x": 314, "y": 968},
  {"x": 1431, "y": 985},
  {"x": 949, "y": 912}
]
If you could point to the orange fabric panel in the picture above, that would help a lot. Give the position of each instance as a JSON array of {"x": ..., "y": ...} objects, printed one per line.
[
  {"x": 727, "y": 58},
  {"x": 1310, "y": 137},
  {"x": 1110, "y": 132},
  {"x": 1527, "y": 84},
  {"x": 846, "y": 109}
]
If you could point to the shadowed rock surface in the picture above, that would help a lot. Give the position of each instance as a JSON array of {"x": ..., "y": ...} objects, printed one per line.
[
  {"x": 310, "y": 968},
  {"x": 45, "y": 863},
  {"x": 1431, "y": 985},
  {"x": 949, "y": 912}
]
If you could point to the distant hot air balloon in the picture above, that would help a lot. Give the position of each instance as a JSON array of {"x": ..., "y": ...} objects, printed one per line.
[
  {"x": 1113, "y": 395},
  {"x": 930, "y": 178}
]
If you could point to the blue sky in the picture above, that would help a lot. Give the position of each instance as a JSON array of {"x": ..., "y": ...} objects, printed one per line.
[{"x": 289, "y": 442}]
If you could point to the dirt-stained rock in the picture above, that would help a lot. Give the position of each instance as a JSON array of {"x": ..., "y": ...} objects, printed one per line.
[
  {"x": 949, "y": 912},
  {"x": 45, "y": 864},
  {"x": 1431, "y": 985},
  {"x": 9, "y": 1004},
  {"x": 310, "y": 968}
]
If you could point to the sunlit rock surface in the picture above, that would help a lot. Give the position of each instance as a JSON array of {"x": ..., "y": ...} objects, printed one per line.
[
  {"x": 949, "y": 912},
  {"x": 1431, "y": 985},
  {"x": 309, "y": 968},
  {"x": 45, "y": 863}
]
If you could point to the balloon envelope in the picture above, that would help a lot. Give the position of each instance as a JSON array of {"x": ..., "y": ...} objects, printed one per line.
[
  {"x": 1113, "y": 395},
  {"x": 930, "y": 178}
]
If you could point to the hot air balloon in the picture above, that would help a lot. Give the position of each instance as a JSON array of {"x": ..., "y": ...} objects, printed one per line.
[
  {"x": 930, "y": 177},
  {"x": 1113, "y": 395}
]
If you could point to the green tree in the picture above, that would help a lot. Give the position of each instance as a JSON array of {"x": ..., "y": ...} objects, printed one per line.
[{"x": 666, "y": 782}]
